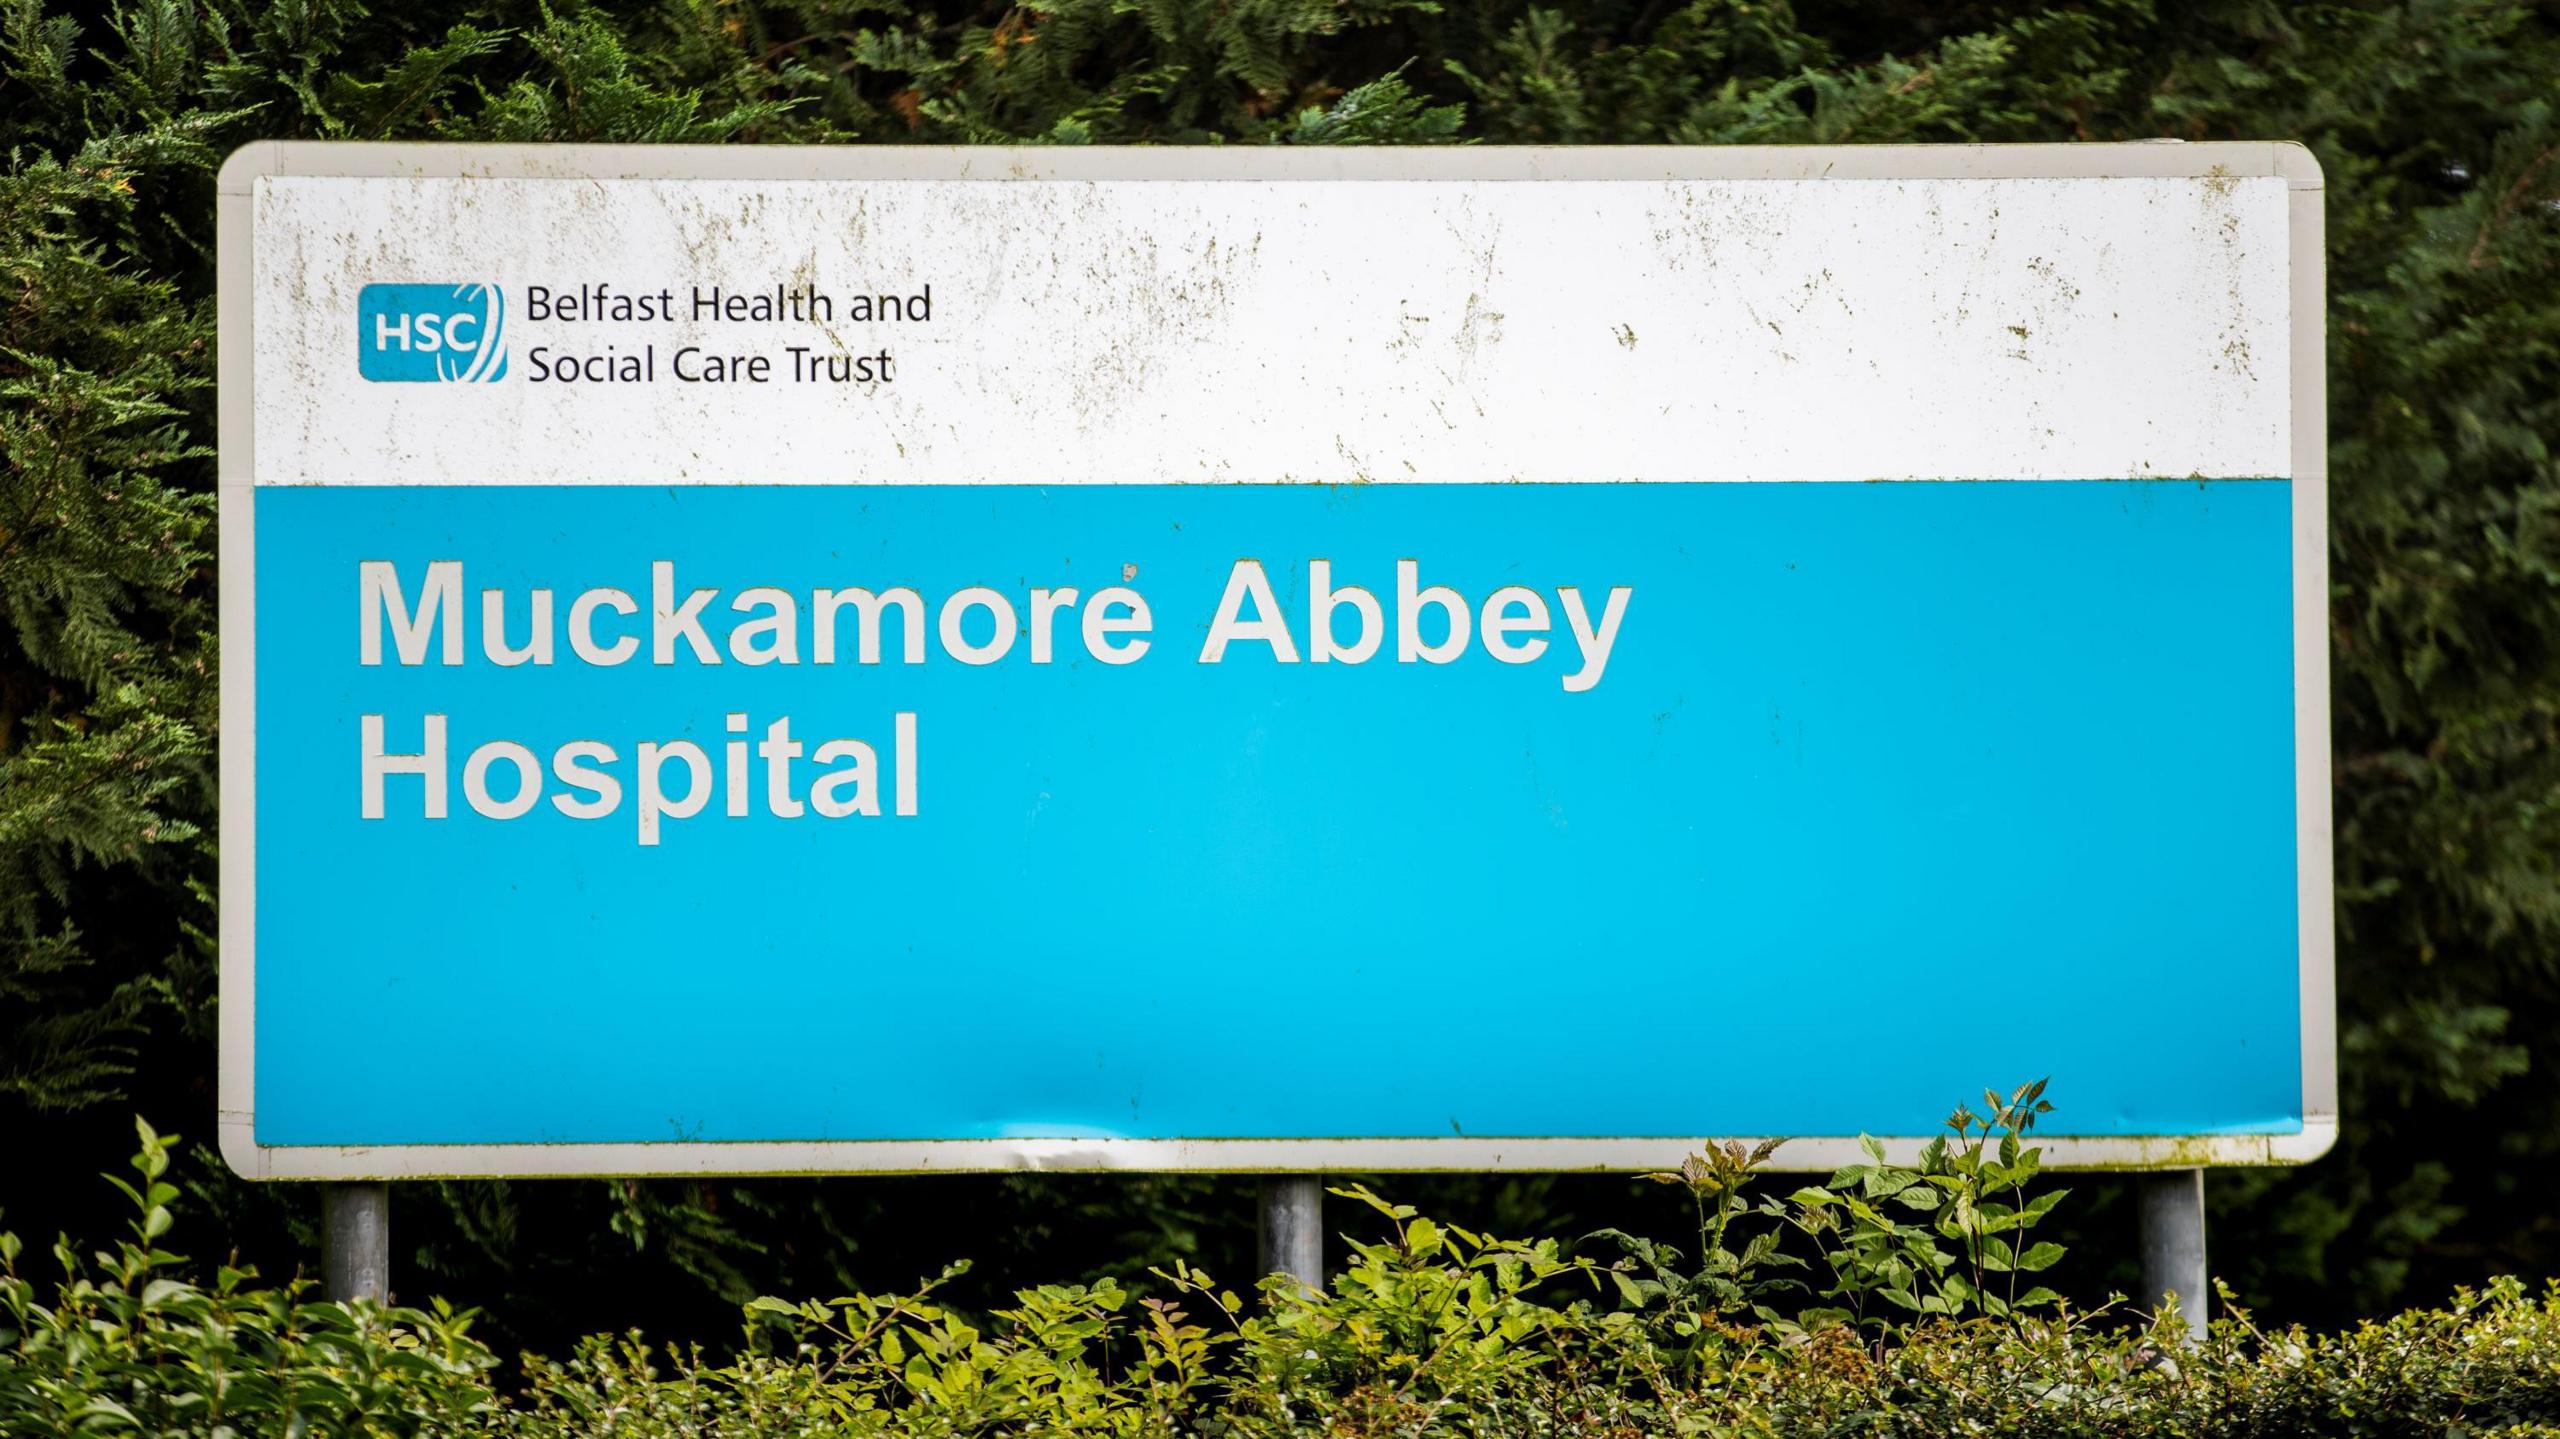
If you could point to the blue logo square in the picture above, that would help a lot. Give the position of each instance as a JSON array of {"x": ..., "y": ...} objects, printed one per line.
[{"x": 430, "y": 333}]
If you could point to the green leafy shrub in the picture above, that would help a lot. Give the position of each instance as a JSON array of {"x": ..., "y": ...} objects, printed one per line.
[
  {"x": 1430, "y": 1329},
  {"x": 128, "y": 1344},
  {"x": 1947, "y": 1237}
]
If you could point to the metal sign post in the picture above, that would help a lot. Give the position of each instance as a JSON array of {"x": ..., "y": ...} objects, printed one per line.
[
  {"x": 1289, "y": 1232},
  {"x": 2173, "y": 1253},
  {"x": 355, "y": 1242}
]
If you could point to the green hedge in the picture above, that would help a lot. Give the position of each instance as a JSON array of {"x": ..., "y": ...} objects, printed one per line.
[{"x": 1430, "y": 1329}]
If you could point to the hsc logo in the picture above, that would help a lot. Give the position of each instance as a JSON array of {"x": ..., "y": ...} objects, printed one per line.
[{"x": 431, "y": 332}]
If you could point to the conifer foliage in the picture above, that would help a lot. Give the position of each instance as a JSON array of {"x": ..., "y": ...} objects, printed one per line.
[{"x": 2434, "y": 119}]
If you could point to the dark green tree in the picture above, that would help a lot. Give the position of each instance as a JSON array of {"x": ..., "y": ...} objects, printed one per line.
[{"x": 2434, "y": 120}]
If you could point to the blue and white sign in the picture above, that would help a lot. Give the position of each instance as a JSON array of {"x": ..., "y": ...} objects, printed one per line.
[{"x": 951, "y": 659}]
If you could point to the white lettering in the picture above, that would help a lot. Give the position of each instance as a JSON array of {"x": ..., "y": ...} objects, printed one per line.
[
  {"x": 652, "y": 759},
  {"x": 582, "y": 627},
  {"x": 780, "y": 629},
  {"x": 493, "y": 629},
  {"x": 828, "y": 796},
  {"x": 566, "y": 767},
  {"x": 379, "y": 594},
  {"x": 427, "y": 764},
  {"x": 778, "y": 749},
  {"x": 1322, "y": 599},
  {"x": 1595, "y": 645},
  {"x": 1247, "y": 581},
  {"x": 867, "y": 607},
  {"x": 1100, "y": 624},
  {"x": 956, "y": 609},
  {"x": 475, "y": 779},
  {"x": 669, "y": 621},
  {"x": 1409, "y": 604},
  {"x": 904, "y": 733},
  {"x": 1045, "y": 605},
  {"x": 1499, "y": 626}
]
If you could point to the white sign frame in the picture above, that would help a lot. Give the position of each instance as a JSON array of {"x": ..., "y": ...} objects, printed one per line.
[{"x": 2161, "y": 159}]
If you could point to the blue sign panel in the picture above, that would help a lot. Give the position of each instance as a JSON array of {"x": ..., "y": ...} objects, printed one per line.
[{"x": 1842, "y": 765}]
